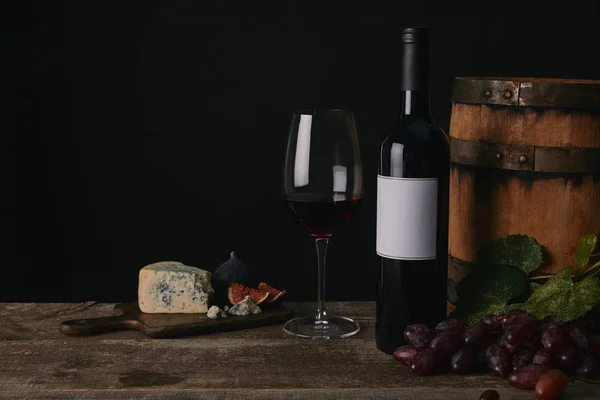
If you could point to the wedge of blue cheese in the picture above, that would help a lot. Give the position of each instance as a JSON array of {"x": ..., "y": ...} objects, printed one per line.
[
  {"x": 245, "y": 307},
  {"x": 173, "y": 287}
]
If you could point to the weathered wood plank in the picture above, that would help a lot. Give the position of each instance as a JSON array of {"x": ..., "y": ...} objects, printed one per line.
[
  {"x": 215, "y": 364},
  {"x": 29, "y": 321},
  {"x": 278, "y": 394},
  {"x": 258, "y": 363},
  {"x": 210, "y": 363}
]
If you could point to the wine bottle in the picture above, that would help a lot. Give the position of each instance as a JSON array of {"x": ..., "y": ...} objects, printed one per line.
[{"x": 412, "y": 206}]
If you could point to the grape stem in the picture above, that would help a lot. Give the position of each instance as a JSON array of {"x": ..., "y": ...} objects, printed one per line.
[
  {"x": 545, "y": 277},
  {"x": 594, "y": 267},
  {"x": 588, "y": 272}
]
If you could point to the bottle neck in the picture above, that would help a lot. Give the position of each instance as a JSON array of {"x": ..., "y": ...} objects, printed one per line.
[
  {"x": 415, "y": 77},
  {"x": 415, "y": 103}
]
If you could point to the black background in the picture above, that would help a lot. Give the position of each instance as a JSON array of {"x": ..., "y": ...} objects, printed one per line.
[{"x": 148, "y": 131}]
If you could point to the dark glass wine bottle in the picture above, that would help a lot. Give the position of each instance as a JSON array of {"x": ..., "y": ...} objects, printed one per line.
[{"x": 412, "y": 206}]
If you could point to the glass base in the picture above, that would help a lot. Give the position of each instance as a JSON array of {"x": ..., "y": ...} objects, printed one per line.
[{"x": 332, "y": 328}]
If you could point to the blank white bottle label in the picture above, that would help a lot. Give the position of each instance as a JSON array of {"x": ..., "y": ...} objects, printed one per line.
[{"x": 406, "y": 218}]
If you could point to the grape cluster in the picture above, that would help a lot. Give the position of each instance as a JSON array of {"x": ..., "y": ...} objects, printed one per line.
[{"x": 515, "y": 346}]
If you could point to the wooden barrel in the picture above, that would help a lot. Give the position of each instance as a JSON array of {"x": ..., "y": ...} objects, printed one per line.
[{"x": 525, "y": 159}]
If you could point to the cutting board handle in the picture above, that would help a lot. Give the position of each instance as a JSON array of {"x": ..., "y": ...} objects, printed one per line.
[{"x": 87, "y": 326}]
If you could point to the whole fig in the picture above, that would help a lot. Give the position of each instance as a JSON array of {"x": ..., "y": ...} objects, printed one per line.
[{"x": 232, "y": 270}]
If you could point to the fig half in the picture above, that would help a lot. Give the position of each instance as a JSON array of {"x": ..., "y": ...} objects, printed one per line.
[
  {"x": 238, "y": 292},
  {"x": 274, "y": 294}
]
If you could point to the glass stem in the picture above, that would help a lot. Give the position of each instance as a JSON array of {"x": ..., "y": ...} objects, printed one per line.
[{"x": 321, "y": 243}]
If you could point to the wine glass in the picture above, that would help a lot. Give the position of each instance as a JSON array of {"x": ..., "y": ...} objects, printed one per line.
[{"x": 322, "y": 189}]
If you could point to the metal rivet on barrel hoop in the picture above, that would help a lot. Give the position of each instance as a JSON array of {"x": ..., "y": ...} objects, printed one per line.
[
  {"x": 498, "y": 156},
  {"x": 522, "y": 159},
  {"x": 507, "y": 94},
  {"x": 487, "y": 93}
]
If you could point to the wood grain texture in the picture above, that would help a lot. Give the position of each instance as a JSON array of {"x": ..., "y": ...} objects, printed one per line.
[
  {"x": 259, "y": 363},
  {"x": 287, "y": 394},
  {"x": 490, "y": 198},
  {"x": 553, "y": 128},
  {"x": 485, "y": 206},
  {"x": 399, "y": 393}
]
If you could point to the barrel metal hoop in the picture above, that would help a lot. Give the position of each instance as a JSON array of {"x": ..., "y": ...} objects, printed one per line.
[
  {"x": 523, "y": 157},
  {"x": 520, "y": 92},
  {"x": 484, "y": 91}
]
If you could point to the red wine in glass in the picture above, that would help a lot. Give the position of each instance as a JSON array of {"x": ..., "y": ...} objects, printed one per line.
[{"x": 322, "y": 215}]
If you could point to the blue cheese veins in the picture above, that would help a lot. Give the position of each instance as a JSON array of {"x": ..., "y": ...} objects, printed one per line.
[
  {"x": 172, "y": 287},
  {"x": 244, "y": 307}
]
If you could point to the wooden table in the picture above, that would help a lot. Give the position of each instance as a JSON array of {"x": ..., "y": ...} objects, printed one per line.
[{"x": 38, "y": 362}]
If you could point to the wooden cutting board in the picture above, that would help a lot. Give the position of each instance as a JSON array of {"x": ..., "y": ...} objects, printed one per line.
[{"x": 129, "y": 316}]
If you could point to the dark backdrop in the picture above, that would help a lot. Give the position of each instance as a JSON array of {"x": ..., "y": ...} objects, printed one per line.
[{"x": 151, "y": 131}]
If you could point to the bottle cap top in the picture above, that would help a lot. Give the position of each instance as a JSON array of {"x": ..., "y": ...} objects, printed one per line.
[{"x": 415, "y": 35}]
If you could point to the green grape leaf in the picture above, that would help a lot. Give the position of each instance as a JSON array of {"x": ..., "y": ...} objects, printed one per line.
[
  {"x": 488, "y": 291},
  {"x": 520, "y": 251},
  {"x": 513, "y": 306},
  {"x": 585, "y": 248},
  {"x": 563, "y": 298},
  {"x": 533, "y": 286}
]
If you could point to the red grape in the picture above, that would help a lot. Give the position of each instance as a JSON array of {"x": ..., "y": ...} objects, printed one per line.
[
  {"x": 489, "y": 395},
  {"x": 565, "y": 359},
  {"x": 577, "y": 336},
  {"x": 498, "y": 360},
  {"x": 423, "y": 362},
  {"x": 551, "y": 385},
  {"x": 509, "y": 316},
  {"x": 481, "y": 356},
  {"x": 522, "y": 358},
  {"x": 551, "y": 320},
  {"x": 405, "y": 354},
  {"x": 543, "y": 357},
  {"x": 526, "y": 377},
  {"x": 478, "y": 334},
  {"x": 553, "y": 337},
  {"x": 588, "y": 367},
  {"x": 463, "y": 360},
  {"x": 594, "y": 345},
  {"x": 451, "y": 326},
  {"x": 535, "y": 342},
  {"x": 521, "y": 329},
  {"x": 511, "y": 348},
  {"x": 493, "y": 321},
  {"x": 445, "y": 345},
  {"x": 419, "y": 335}
]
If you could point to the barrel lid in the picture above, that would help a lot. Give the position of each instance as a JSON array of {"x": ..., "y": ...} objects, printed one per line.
[{"x": 527, "y": 92}]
